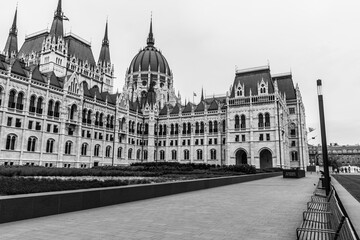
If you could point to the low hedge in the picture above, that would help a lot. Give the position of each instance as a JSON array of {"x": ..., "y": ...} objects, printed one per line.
[{"x": 20, "y": 185}]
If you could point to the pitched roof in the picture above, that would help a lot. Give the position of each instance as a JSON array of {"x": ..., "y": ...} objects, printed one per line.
[
  {"x": 2, "y": 66},
  {"x": 12, "y": 43},
  {"x": 36, "y": 75},
  {"x": 164, "y": 111},
  {"x": 55, "y": 81},
  {"x": 213, "y": 106},
  {"x": 176, "y": 109},
  {"x": 18, "y": 68},
  {"x": 285, "y": 85},
  {"x": 250, "y": 79},
  {"x": 200, "y": 107},
  {"x": 86, "y": 90},
  {"x": 187, "y": 108},
  {"x": 80, "y": 49},
  {"x": 33, "y": 43}
]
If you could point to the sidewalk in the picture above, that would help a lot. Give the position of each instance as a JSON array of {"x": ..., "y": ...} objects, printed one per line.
[{"x": 263, "y": 209}]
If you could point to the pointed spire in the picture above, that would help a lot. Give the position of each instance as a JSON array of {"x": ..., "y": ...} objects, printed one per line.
[
  {"x": 104, "y": 56},
  {"x": 150, "y": 39},
  {"x": 11, "y": 46},
  {"x": 202, "y": 94},
  {"x": 57, "y": 28}
]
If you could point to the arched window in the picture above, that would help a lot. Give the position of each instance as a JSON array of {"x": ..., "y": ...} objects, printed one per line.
[
  {"x": 294, "y": 156},
  {"x": 267, "y": 120},
  {"x": 31, "y": 144},
  {"x": 108, "y": 121},
  {"x": 19, "y": 102},
  {"x": 156, "y": 129},
  {"x": 119, "y": 152},
  {"x": 215, "y": 126},
  {"x": 186, "y": 154},
  {"x": 162, "y": 155},
  {"x": 112, "y": 122},
  {"x": 108, "y": 151},
  {"x": 84, "y": 147},
  {"x": 97, "y": 119},
  {"x": 202, "y": 127},
  {"x": 101, "y": 118},
  {"x": 10, "y": 142},
  {"x": 32, "y": 103},
  {"x": 212, "y": 154},
  {"x": 57, "y": 109},
  {"x": 68, "y": 146},
  {"x": 184, "y": 128},
  {"x": 146, "y": 129},
  {"x": 133, "y": 127},
  {"x": 138, "y": 130},
  {"x": 176, "y": 129},
  {"x": 197, "y": 128},
  {"x": 261, "y": 121},
  {"x": 89, "y": 117},
  {"x": 50, "y": 145},
  {"x": 237, "y": 122},
  {"x": 39, "y": 105},
  {"x": 138, "y": 154},
  {"x": 96, "y": 150},
  {"x": 84, "y": 115},
  {"x": 1, "y": 95},
  {"x": 50, "y": 108},
  {"x": 12, "y": 99},
  {"x": 243, "y": 122},
  {"x": 130, "y": 153},
  {"x": 165, "y": 129},
  {"x": 73, "y": 111},
  {"x": 173, "y": 155},
  {"x": 189, "y": 128},
  {"x": 210, "y": 127},
  {"x": 223, "y": 126},
  {"x": 145, "y": 154},
  {"x": 199, "y": 154},
  {"x": 160, "y": 129},
  {"x": 172, "y": 129}
]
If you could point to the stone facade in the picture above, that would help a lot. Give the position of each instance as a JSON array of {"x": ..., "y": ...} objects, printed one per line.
[{"x": 58, "y": 109}]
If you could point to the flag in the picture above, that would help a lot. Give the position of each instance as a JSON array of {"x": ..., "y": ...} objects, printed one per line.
[
  {"x": 194, "y": 94},
  {"x": 311, "y": 129},
  {"x": 65, "y": 18}
]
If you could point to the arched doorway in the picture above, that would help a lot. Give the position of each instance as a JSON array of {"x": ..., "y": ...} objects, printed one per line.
[
  {"x": 265, "y": 159},
  {"x": 241, "y": 157}
]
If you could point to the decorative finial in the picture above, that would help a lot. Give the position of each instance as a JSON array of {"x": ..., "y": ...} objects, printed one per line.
[{"x": 150, "y": 39}]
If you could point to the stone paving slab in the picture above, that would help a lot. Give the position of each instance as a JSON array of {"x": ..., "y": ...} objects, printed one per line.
[{"x": 262, "y": 209}]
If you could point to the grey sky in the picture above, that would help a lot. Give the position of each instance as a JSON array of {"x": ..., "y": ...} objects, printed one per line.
[{"x": 204, "y": 40}]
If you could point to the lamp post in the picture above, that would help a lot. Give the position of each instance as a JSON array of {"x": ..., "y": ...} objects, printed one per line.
[{"x": 323, "y": 137}]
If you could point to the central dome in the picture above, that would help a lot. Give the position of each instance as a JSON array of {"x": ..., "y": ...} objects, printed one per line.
[{"x": 149, "y": 59}]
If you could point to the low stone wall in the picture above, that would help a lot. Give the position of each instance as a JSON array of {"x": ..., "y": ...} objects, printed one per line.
[{"x": 26, "y": 206}]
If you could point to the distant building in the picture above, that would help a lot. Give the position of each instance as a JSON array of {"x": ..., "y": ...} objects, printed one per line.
[
  {"x": 59, "y": 109},
  {"x": 344, "y": 155}
]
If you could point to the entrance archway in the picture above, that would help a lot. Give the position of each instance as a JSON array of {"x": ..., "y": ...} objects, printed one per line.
[
  {"x": 265, "y": 159},
  {"x": 241, "y": 157}
]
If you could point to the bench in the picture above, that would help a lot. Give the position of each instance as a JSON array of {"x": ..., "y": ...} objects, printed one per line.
[
  {"x": 320, "y": 204},
  {"x": 321, "y": 225},
  {"x": 346, "y": 232},
  {"x": 322, "y": 198}
]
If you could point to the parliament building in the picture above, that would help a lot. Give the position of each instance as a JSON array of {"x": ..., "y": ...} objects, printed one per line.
[{"x": 58, "y": 108}]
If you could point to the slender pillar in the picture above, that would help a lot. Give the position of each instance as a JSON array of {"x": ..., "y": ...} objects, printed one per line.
[{"x": 323, "y": 137}]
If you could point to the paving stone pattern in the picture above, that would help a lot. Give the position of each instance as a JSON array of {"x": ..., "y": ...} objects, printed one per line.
[{"x": 263, "y": 209}]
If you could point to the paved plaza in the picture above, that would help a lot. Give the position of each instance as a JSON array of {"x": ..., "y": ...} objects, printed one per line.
[{"x": 263, "y": 209}]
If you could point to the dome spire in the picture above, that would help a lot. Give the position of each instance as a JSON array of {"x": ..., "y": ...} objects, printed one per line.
[
  {"x": 150, "y": 39},
  {"x": 104, "y": 57},
  {"x": 57, "y": 29}
]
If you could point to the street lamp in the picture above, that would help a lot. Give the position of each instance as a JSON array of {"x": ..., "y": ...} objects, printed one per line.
[{"x": 323, "y": 137}]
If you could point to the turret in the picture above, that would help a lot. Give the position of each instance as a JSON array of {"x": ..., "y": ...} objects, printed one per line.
[
  {"x": 57, "y": 29},
  {"x": 11, "y": 47}
]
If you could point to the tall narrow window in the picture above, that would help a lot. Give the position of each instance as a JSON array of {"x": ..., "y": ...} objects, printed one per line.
[
  {"x": 215, "y": 126},
  {"x": 68, "y": 146},
  {"x": 57, "y": 109},
  {"x": 210, "y": 127},
  {"x": 189, "y": 128},
  {"x": 96, "y": 150},
  {"x": 186, "y": 154},
  {"x": 32, "y": 103},
  {"x": 162, "y": 155},
  {"x": 199, "y": 154},
  {"x": 19, "y": 102},
  {"x": 261, "y": 120},
  {"x": 31, "y": 144},
  {"x": 50, "y": 108},
  {"x": 119, "y": 152},
  {"x": 84, "y": 147},
  {"x": 39, "y": 106},
  {"x": 108, "y": 151},
  {"x": 49, "y": 145},
  {"x": 130, "y": 153},
  {"x": 243, "y": 122},
  {"x": 267, "y": 120},
  {"x": 10, "y": 142},
  {"x": 138, "y": 154},
  {"x": 173, "y": 155},
  {"x": 12, "y": 99},
  {"x": 237, "y": 122},
  {"x": 213, "y": 154}
]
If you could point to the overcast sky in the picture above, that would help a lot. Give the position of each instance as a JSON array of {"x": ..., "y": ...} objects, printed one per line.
[{"x": 203, "y": 41}]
